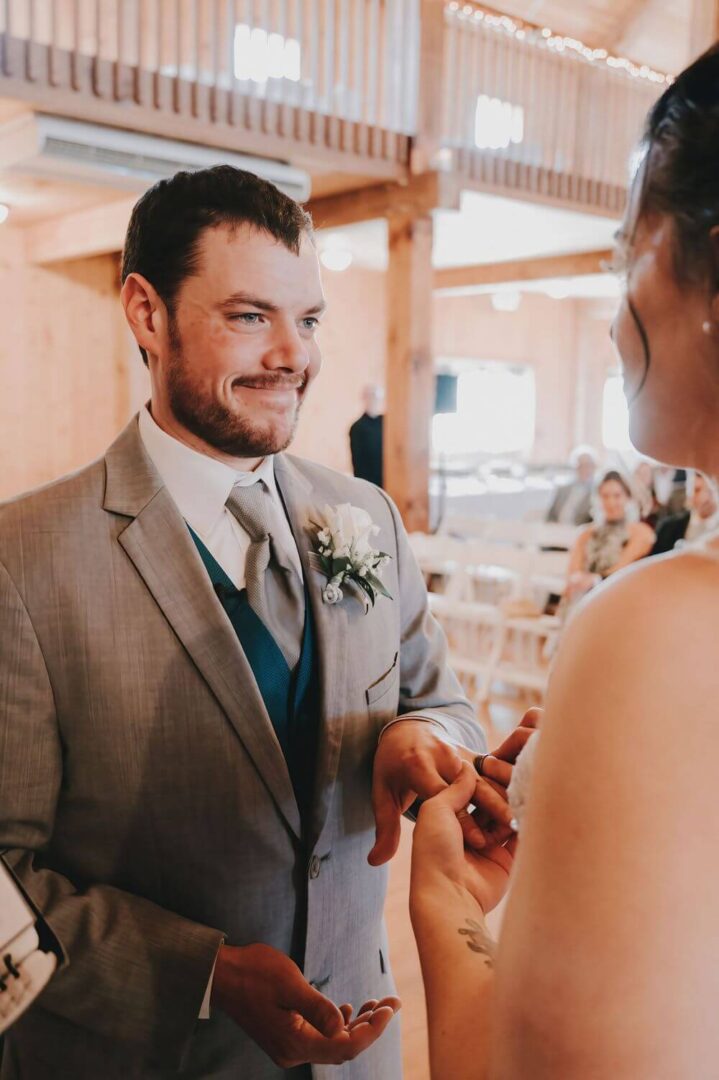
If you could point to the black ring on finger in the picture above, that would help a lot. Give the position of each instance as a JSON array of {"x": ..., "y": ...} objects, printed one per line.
[{"x": 479, "y": 763}]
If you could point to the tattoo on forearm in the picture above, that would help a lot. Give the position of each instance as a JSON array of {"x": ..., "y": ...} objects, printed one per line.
[{"x": 479, "y": 941}]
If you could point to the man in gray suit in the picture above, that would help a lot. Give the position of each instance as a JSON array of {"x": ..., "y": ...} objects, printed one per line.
[
  {"x": 572, "y": 503},
  {"x": 189, "y": 717}
]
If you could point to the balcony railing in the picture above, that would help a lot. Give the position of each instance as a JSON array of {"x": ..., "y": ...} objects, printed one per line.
[
  {"x": 339, "y": 74},
  {"x": 337, "y": 81},
  {"x": 526, "y": 110}
]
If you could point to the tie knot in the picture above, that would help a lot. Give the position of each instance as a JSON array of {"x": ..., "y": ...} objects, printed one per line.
[{"x": 248, "y": 503}]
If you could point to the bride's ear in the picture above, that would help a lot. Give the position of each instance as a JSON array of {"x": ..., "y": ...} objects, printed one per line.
[{"x": 714, "y": 303}]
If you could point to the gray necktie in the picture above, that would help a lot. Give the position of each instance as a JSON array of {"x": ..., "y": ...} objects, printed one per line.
[{"x": 274, "y": 589}]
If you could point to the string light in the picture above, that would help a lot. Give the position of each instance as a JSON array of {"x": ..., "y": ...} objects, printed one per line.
[{"x": 546, "y": 38}]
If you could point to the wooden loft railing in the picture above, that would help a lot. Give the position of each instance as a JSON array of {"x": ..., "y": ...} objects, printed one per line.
[
  {"x": 373, "y": 87},
  {"x": 328, "y": 81},
  {"x": 527, "y": 112}
]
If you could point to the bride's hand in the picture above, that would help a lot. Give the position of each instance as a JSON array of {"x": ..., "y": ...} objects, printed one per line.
[{"x": 440, "y": 862}]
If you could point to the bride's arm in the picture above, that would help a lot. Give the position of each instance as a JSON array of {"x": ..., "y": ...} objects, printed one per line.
[
  {"x": 450, "y": 891},
  {"x": 609, "y": 959},
  {"x": 458, "y": 975}
]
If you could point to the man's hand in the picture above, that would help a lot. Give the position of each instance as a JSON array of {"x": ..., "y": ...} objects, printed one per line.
[
  {"x": 265, "y": 992},
  {"x": 412, "y": 762}
]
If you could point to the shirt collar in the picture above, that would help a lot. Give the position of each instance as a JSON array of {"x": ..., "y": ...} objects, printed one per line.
[{"x": 199, "y": 484}]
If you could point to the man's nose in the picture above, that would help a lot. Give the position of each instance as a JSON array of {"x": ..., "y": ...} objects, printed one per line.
[{"x": 287, "y": 349}]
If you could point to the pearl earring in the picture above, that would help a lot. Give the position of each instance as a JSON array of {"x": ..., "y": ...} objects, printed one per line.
[{"x": 707, "y": 328}]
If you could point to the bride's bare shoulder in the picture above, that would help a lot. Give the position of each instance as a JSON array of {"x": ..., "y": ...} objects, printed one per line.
[
  {"x": 650, "y": 631},
  {"x": 673, "y": 585}
]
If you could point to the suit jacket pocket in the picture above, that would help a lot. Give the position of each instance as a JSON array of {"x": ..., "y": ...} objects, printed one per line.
[{"x": 384, "y": 684}]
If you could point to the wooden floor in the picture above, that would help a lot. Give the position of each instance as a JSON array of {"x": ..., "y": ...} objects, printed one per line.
[{"x": 405, "y": 962}]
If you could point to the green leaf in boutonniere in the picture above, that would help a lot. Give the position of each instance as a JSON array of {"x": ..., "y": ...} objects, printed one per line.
[
  {"x": 339, "y": 566},
  {"x": 366, "y": 588},
  {"x": 376, "y": 584}
]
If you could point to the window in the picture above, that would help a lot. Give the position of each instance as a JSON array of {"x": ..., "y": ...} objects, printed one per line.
[
  {"x": 615, "y": 415},
  {"x": 260, "y": 56},
  {"x": 495, "y": 412},
  {"x": 497, "y": 123}
]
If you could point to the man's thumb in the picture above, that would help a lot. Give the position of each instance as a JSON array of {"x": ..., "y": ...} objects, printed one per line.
[
  {"x": 388, "y": 831},
  {"x": 319, "y": 1011}
]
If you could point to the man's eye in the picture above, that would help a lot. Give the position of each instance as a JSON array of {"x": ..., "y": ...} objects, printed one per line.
[
  {"x": 248, "y": 317},
  {"x": 310, "y": 323}
]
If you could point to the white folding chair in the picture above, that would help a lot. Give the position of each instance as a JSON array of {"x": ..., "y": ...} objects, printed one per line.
[
  {"x": 523, "y": 661},
  {"x": 474, "y": 636}
]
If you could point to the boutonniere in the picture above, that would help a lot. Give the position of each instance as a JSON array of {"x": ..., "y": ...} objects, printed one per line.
[{"x": 344, "y": 553}]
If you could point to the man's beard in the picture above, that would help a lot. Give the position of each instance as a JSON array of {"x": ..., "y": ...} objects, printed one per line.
[{"x": 220, "y": 427}]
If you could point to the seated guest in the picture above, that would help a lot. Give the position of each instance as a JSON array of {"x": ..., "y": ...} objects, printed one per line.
[
  {"x": 652, "y": 508},
  {"x": 690, "y": 524},
  {"x": 671, "y": 487},
  {"x": 604, "y": 548},
  {"x": 572, "y": 503}
]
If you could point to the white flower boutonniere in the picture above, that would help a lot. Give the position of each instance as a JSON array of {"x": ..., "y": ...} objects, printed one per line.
[{"x": 344, "y": 554}]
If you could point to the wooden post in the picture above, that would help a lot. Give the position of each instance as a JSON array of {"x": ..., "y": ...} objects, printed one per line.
[
  {"x": 704, "y": 27},
  {"x": 410, "y": 368},
  {"x": 428, "y": 138}
]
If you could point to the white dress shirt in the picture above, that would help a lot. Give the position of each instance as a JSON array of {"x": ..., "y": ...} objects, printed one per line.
[{"x": 200, "y": 486}]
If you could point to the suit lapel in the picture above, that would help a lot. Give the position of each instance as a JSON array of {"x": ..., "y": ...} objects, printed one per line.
[
  {"x": 332, "y": 634},
  {"x": 159, "y": 544}
]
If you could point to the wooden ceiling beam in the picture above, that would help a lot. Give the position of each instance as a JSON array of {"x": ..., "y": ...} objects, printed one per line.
[
  {"x": 626, "y": 15},
  {"x": 575, "y": 264},
  {"x": 420, "y": 195},
  {"x": 96, "y": 231},
  {"x": 704, "y": 26}
]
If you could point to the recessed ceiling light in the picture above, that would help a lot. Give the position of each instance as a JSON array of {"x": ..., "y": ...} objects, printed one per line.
[
  {"x": 558, "y": 290},
  {"x": 336, "y": 258},
  {"x": 506, "y": 301}
]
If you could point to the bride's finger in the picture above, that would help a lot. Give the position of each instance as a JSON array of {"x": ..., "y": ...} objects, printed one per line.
[
  {"x": 456, "y": 795},
  {"x": 491, "y": 803}
]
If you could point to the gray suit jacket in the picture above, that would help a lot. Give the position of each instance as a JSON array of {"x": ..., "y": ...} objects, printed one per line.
[
  {"x": 583, "y": 509},
  {"x": 144, "y": 795}
]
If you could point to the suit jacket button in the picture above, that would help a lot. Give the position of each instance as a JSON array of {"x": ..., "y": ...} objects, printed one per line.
[{"x": 314, "y": 867}]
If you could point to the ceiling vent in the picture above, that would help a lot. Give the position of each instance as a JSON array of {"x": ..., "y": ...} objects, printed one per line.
[{"x": 54, "y": 147}]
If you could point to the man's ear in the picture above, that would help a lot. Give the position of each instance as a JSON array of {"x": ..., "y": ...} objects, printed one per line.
[{"x": 146, "y": 314}]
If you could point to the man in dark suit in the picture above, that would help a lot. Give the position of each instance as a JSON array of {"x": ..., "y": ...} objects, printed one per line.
[
  {"x": 690, "y": 524},
  {"x": 366, "y": 437}
]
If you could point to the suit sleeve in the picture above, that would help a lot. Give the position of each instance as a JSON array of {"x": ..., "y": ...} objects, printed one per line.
[
  {"x": 428, "y": 686},
  {"x": 136, "y": 972}
]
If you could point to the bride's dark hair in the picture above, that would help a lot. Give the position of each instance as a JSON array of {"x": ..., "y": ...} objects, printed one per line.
[
  {"x": 679, "y": 177},
  {"x": 680, "y": 171}
]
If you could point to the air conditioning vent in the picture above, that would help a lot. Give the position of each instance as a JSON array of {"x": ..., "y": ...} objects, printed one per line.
[{"x": 51, "y": 146}]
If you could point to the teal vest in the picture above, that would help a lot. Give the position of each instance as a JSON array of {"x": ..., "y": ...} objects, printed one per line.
[{"x": 291, "y": 697}]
